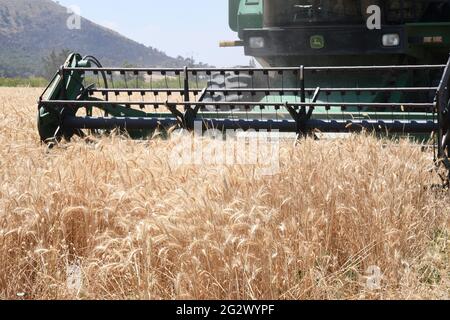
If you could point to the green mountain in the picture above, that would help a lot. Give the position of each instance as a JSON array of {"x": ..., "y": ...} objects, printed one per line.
[{"x": 31, "y": 29}]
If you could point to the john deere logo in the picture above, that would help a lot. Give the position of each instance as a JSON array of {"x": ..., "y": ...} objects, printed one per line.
[{"x": 317, "y": 42}]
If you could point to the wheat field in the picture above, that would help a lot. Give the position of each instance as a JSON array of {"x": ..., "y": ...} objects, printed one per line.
[{"x": 113, "y": 219}]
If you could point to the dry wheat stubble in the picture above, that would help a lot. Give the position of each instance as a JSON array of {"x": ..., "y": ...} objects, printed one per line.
[{"x": 119, "y": 218}]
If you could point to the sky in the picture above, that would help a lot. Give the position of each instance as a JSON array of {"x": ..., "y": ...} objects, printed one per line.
[{"x": 177, "y": 27}]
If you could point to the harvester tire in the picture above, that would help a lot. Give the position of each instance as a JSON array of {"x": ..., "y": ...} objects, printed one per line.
[{"x": 230, "y": 82}]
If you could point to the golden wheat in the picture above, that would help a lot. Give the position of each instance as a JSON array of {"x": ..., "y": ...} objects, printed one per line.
[{"x": 113, "y": 219}]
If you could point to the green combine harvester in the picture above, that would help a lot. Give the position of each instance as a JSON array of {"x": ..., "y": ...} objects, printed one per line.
[{"x": 327, "y": 67}]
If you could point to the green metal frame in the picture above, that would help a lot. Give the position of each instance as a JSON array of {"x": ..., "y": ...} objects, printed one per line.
[
  {"x": 68, "y": 93},
  {"x": 249, "y": 14},
  {"x": 63, "y": 86},
  {"x": 245, "y": 14}
]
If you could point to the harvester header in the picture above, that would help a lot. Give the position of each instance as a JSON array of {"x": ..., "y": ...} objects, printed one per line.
[
  {"x": 142, "y": 100},
  {"x": 323, "y": 71}
]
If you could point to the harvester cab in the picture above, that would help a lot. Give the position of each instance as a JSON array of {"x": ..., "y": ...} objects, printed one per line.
[{"x": 324, "y": 70}]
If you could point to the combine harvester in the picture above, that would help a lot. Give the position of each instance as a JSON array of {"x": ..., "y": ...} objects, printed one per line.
[{"x": 323, "y": 71}]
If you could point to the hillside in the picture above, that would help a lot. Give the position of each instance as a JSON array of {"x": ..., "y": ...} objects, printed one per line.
[{"x": 31, "y": 29}]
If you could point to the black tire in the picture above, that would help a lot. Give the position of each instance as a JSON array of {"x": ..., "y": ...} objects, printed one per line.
[{"x": 230, "y": 81}]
